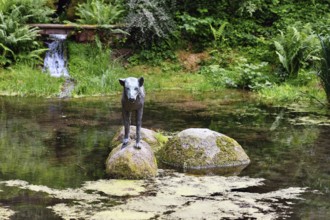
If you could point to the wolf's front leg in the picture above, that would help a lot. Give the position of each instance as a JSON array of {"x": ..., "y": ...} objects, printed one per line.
[
  {"x": 139, "y": 114},
  {"x": 127, "y": 123}
]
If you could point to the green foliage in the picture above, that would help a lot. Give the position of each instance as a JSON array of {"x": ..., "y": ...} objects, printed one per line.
[
  {"x": 249, "y": 7},
  {"x": 324, "y": 72},
  {"x": 18, "y": 40},
  {"x": 193, "y": 25},
  {"x": 154, "y": 56},
  {"x": 5, "y": 56},
  {"x": 295, "y": 47},
  {"x": 149, "y": 21},
  {"x": 99, "y": 12},
  {"x": 202, "y": 28}
]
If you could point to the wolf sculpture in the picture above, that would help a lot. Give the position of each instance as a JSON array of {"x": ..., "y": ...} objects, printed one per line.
[{"x": 132, "y": 101}]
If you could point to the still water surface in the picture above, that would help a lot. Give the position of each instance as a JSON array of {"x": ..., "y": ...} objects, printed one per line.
[{"x": 62, "y": 144}]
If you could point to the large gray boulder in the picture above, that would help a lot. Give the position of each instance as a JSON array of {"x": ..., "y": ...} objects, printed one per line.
[
  {"x": 196, "y": 148},
  {"x": 131, "y": 163}
]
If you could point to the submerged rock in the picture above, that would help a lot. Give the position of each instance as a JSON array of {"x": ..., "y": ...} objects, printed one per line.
[
  {"x": 132, "y": 163},
  {"x": 197, "y": 148},
  {"x": 154, "y": 139}
]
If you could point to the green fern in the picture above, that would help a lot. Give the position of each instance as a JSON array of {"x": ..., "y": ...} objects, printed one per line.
[
  {"x": 218, "y": 33},
  {"x": 295, "y": 47},
  {"x": 31, "y": 11},
  {"x": 4, "y": 60},
  {"x": 18, "y": 41},
  {"x": 99, "y": 12}
]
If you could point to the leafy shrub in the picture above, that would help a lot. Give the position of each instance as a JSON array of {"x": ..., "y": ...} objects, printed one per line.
[
  {"x": 324, "y": 72},
  {"x": 195, "y": 27},
  {"x": 243, "y": 76},
  {"x": 18, "y": 41},
  {"x": 294, "y": 48},
  {"x": 249, "y": 7},
  {"x": 148, "y": 21},
  {"x": 99, "y": 12}
]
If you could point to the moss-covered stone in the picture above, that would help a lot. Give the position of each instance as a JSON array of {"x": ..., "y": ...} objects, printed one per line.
[
  {"x": 202, "y": 148},
  {"x": 155, "y": 139},
  {"x": 132, "y": 163}
]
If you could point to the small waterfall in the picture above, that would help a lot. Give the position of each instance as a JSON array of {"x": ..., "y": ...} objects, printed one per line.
[{"x": 55, "y": 60}]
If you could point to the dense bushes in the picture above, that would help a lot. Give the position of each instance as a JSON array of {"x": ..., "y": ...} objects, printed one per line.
[
  {"x": 324, "y": 72},
  {"x": 148, "y": 21}
]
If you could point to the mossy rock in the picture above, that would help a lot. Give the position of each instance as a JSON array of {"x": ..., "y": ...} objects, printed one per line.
[
  {"x": 197, "y": 148},
  {"x": 154, "y": 139},
  {"x": 131, "y": 163}
]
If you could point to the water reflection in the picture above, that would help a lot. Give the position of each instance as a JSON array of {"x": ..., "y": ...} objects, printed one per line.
[{"x": 63, "y": 143}]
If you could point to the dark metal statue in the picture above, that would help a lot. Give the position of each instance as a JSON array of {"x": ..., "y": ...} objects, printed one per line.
[{"x": 132, "y": 101}]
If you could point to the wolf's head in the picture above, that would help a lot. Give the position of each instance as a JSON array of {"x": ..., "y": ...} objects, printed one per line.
[{"x": 132, "y": 87}]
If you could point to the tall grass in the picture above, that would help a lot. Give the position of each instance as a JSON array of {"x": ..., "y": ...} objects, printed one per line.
[
  {"x": 93, "y": 71},
  {"x": 24, "y": 80},
  {"x": 293, "y": 92}
]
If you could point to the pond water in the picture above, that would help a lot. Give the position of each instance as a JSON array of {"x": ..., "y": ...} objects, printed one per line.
[{"x": 52, "y": 154}]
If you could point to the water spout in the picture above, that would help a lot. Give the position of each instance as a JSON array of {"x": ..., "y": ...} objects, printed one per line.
[{"x": 55, "y": 60}]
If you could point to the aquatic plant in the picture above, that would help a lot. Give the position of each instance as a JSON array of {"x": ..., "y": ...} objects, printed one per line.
[{"x": 324, "y": 72}]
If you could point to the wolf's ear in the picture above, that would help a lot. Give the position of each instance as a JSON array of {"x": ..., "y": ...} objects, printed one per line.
[
  {"x": 141, "y": 81},
  {"x": 122, "y": 82}
]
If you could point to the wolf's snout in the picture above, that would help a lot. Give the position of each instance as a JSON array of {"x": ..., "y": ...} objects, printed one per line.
[{"x": 131, "y": 99}]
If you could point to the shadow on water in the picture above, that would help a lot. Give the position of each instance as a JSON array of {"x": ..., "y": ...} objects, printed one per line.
[{"x": 64, "y": 143}]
